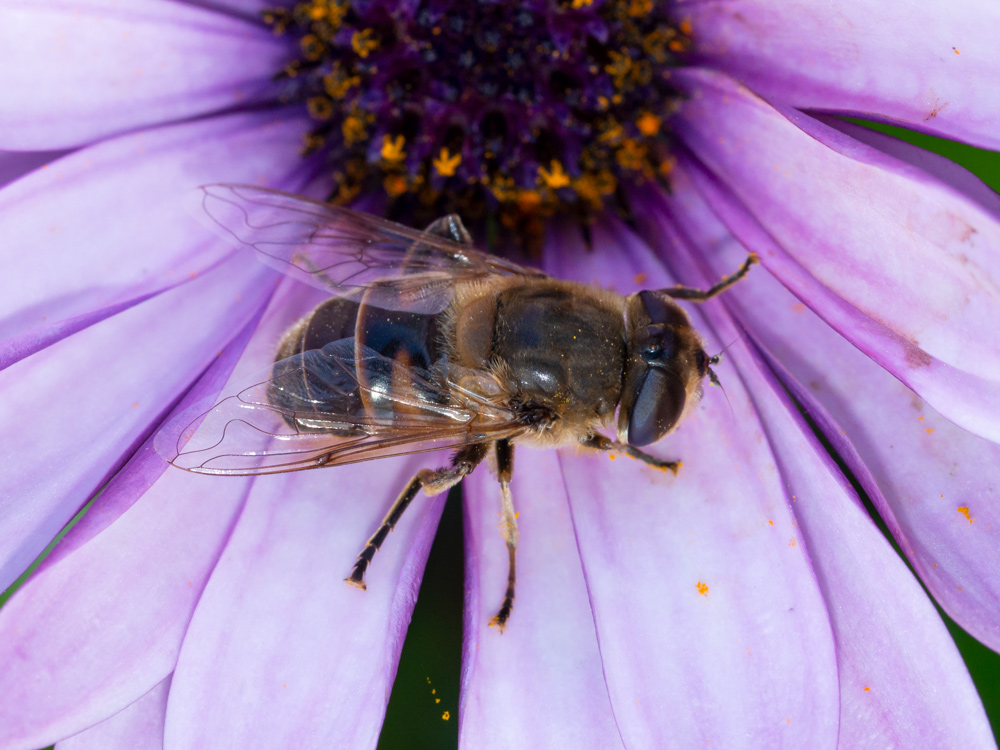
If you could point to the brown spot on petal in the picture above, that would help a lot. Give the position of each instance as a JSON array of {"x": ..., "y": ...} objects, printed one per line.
[
  {"x": 936, "y": 111},
  {"x": 917, "y": 357}
]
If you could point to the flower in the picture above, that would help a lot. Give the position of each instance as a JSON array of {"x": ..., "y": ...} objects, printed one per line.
[{"x": 749, "y": 601}]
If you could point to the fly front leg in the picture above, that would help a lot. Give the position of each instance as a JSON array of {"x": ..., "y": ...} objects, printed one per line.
[
  {"x": 505, "y": 469},
  {"x": 601, "y": 443},
  {"x": 700, "y": 295},
  {"x": 432, "y": 482}
]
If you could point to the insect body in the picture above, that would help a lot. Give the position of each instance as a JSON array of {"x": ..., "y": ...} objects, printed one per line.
[{"x": 430, "y": 344}]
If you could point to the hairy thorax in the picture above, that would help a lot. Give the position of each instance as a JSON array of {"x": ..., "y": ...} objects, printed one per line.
[{"x": 556, "y": 348}]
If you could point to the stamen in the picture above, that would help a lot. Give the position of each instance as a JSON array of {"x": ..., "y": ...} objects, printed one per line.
[{"x": 483, "y": 107}]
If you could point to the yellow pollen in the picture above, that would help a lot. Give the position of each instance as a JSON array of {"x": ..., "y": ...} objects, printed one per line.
[
  {"x": 648, "y": 124},
  {"x": 528, "y": 200},
  {"x": 632, "y": 155},
  {"x": 702, "y": 588},
  {"x": 446, "y": 164},
  {"x": 353, "y": 129},
  {"x": 619, "y": 67},
  {"x": 964, "y": 510},
  {"x": 581, "y": 4},
  {"x": 320, "y": 108},
  {"x": 392, "y": 148},
  {"x": 394, "y": 185},
  {"x": 685, "y": 27},
  {"x": 556, "y": 178},
  {"x": 312, "y": 47},
  {"x": 337, "y": 83},
  {"x": 639, "y": 8},
  {"x": 364, "y": 42},
  {"x": 612, "y": 135}
]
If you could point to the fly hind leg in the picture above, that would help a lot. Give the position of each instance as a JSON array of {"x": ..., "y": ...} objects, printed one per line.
[
  {"x": 505, "y": 469},
  {"x": 432, "y": 482},
  {"x": 601, "y": 443}
]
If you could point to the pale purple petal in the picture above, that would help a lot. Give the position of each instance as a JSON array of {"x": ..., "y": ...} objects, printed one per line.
[
  {"x": 919, "y": 469},
  {"x": 540, "y": 683},
  {"x": 83, "y": 71},
  {"x": 894, "y": 654},
  {"x": 936, "y": 165},
  {"x": 929, "y": 66},
  {"x": 150, "y": 518},
  {"x": 106, "y": 227},
  {"x": 281, "y": 652},
  {"x": 899, "y": 263},
  {"x": 138, "y": 727},
  {"x": 709, "y": 618},
  {"x": 74, "y": 410},
  {"x": 89, "y": 635},
  {"x": 15, "y": 164}
]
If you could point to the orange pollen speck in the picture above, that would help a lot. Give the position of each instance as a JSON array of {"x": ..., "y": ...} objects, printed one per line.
[
  {"x": 867, "y": 689},
  {"x": 702, "y": 588},
  {"x": 446, "y": 715},
  {"x": 648, "y": 124},
  {"x": 929, "y": 430},
  {"x": 964, "y": 510},
  {"x": 392, "y": 148},
  {"x": 555, "y": 178},
  {"x": 446, "y": 164}
]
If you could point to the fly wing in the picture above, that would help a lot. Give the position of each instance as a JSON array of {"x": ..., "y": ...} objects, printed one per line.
[
  {"x": 346, "y": 252},
  {"x": 332, "y": 406}
]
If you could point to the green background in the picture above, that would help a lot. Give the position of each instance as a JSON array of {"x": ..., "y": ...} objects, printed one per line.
[{"x": 431, "y": 660}]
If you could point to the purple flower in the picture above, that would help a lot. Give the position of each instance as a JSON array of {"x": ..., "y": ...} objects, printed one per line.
[{"x": 750, "y": 601}]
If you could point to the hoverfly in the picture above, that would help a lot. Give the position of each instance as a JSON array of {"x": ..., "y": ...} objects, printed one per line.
[{"x": 428, "y": 343}]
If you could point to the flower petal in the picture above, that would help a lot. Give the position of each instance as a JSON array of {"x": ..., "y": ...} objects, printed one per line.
[
  {"x": 92, "y": 633},
  {"x": 894, "y": 654},
  {"x": 919, "y": 469},
  {"x": 936, "y": 165},
  {"x": 905, "y": 273},
  {"x": 105, "y": 67},
  {"x": 15, "y": 164},
  {"x": 71, "y": 412},
  {"x": 106, "y": 227},
  {"x": 138, "y": 727},
  {"x": 152, "y": 512},
  {"x": 923, "y": 65},
  {"x": 312, "y": 658},
  {"x": 543, "y": 674},
  {"x": 710, "y": 621}
]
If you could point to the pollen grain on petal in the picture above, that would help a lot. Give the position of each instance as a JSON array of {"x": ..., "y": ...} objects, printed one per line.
[
  {"x": 964, "y": 510},
  {"x": 702, "y": 588}
]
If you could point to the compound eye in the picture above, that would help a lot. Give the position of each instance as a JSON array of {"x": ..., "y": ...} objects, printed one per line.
[
  {"x": 656, "y": 408},
  {"x": 656, "y": 343}
]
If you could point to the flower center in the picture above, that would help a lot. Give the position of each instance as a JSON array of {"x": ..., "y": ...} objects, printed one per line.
[{"x": 485, "y": 108}]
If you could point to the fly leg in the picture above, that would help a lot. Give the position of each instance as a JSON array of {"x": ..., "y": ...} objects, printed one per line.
[
  {"x": 432, "y": 482},
  {"x": 601, "y": 443},
  {"x": 505, "y": 469},
  {"x": 700, "y": 295}
]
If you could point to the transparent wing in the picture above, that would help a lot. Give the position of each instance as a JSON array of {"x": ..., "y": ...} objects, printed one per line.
[
  {"x": 335, "y": 406},
  {"x": 345, "y": 251}
]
